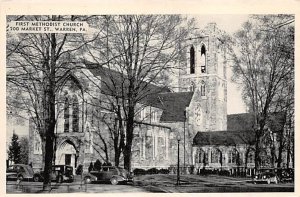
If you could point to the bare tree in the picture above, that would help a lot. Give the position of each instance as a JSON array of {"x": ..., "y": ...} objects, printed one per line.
[
  {"x": 263, "y": 64},
  {"x": 37, "y": 66},
  {"x": 109, "y": 130},
  {"x": 138, "y": 49}
]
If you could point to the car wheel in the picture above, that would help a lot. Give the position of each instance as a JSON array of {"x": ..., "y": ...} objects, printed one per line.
[
  {"x": 114, "y": 181},
  {"x": 59, "y": 179},
  {"x": 87, "y": 180},
  {"x": 36, "y": 178}
]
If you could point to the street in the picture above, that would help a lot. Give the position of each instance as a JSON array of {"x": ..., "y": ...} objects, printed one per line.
[
  {"x": 211, "y": 183},
  {"x": 156, "y": 183},
  {"x": 33, "y": 187}
]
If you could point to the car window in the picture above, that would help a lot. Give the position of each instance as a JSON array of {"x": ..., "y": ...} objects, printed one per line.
[
  {"x": 68, "y": 168},
  {"x": 57, "y": 168},
  {"x": 105, "y": 169},
  {"x": 21, "y": 169},
  {"x": 114, "y": 170}
]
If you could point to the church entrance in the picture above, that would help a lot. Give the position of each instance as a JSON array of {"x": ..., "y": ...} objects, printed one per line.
[{"x": 66, "y": 155}]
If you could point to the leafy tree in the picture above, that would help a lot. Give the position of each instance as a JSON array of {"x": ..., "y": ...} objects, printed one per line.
[
  {"x": 14, "y": 149},
  {"x": 24, "y": 152}
]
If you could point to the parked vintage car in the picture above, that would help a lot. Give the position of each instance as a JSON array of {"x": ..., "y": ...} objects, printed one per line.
[
  {"x": 60, "y": 173},
  {"x": 286, "y": 175},
  {"x": 111, "y": 174},
  {"x": 19, "y": 171},
  {"x": 266, "y": 177}
]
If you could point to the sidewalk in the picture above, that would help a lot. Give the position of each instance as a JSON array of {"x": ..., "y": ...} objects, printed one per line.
[
  {"x": 188, "y": 183},
  {"x": 32, "y": 187}
]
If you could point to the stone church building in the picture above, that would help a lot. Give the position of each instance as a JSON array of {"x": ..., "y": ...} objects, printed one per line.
[{"x": 197, "y": 112}]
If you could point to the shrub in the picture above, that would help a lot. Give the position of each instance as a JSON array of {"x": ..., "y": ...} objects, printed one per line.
[
  {"x": 107, "y": 164},
  {"x": 97, "y": 165},
  {"x": 164, "y": 171},
  {"x": 91, "y": 167},
  {"x": 79, "y": 169},
  {"x": 152, "y": 171},
  {"x": 224, "y": 173},
  {"x": 139, "y": 171}
]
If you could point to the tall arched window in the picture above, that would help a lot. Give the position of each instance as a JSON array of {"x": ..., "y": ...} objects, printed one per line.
[
  {"x": 202, "y": 157},
  {"x": 216, "y": 156},
  {"x": 67, "y": 114},
  {"x": 233, "y": 156},
  {"x": 203, "y": 59},
  {"x": 75, "y": 117},
  {"x": 250, "y": 156},
  {"x": 192, "y": 60},
  {"x": 202, "y": 89},
  {"x": 192, "y": 87},
  {"x": 87, "y": 139}
]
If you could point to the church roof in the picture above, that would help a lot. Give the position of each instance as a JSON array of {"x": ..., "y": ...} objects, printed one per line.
[
  {"x": 245, "y": 121},
  {"x": 239, "y": 130},
  {"x": 173, "y": 104},
  {"x": 226, "y": 138},
  {"x": 113, "y": 82}
]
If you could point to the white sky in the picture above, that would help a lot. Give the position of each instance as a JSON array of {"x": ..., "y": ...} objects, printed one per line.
[{"x": 228, "y": 23}]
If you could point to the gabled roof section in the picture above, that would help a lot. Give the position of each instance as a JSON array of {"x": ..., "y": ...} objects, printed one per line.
[
  {"x": 245, "y": 121},
  {"x": 173, "y": 105},
  {"x": 226, "y": 138},
  {"x": 239, "y": 130},
  {"x": 239, "y": 122},
  {"x": 114, "y": 82},
  {"x": 68, "y": 76}
]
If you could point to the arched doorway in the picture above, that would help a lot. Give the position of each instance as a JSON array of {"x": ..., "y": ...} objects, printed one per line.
[{"x": 66, "y": 154}]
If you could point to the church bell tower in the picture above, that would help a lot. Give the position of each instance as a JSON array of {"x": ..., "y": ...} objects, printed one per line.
[{"x": 204, "y": 73}]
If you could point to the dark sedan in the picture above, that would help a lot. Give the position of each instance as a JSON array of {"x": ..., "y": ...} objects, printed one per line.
[
  {"x": 60, "y": 173},
  {"x": 20, "y": 172},
  {"x": 111, "y": 174}
]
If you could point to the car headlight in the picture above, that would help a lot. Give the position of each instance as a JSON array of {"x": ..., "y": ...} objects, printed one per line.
[{"x": 264, "y": 177}]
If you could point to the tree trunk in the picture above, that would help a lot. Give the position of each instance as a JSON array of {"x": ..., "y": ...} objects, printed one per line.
[
  {"x": 280, "y": 150},
  {"x": 127, "y": 157},
  {"x": 129, "y": 138},
  {"x": 288, "y": 149},
  {"x": 257, "y": 151},
  {"x": 50, "y": 115},
  {"x": 119, "y": 139},
  {"x": 117, "y": 158},
  {"x": 50, "y": 126}
]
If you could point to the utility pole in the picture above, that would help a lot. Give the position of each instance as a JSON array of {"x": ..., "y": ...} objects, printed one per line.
[
  {"x": 184, "y": 140},
  {"x": 178, "y": 170}
]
